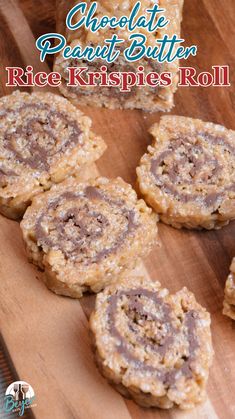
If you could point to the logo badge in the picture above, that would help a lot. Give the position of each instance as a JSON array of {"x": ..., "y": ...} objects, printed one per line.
[{"x": 19, "y": 396}]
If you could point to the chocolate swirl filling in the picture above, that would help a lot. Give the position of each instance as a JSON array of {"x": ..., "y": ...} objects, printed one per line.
[
  {"x": 184, "y": 164},
  {"x": 136, "y": 315},
  {"x": 76, "y": 231},
  {"x": 34, "y": 141}
]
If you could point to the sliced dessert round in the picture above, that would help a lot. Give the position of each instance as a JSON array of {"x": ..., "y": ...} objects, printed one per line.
[
  {"x": 152, "y": 346},
  {"x": 188, "y": 175},
  {"x": 85, "y": 235},
  {"x": 43, "y": 140}
]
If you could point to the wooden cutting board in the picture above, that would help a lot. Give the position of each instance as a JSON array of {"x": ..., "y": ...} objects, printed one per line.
[{"x": 47, "y": 335}]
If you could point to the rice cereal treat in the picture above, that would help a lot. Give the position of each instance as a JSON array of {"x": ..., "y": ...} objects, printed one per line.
[
  {"x": 188, "y": 174},
  {"x": 147, "y": 98},
  {"x": 229, "y": 297},
  {"x": 85, "y": 235},
  {"x": 152, "y": 346},
  {"x": 43, "y": 139}
]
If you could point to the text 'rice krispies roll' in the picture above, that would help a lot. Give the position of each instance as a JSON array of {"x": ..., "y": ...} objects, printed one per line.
[
  {"x": 146, "y": 98},
  {"x": 43, "y": 140},
  {"x": 152, "y": 346},
  {"x": 85, "y": 235},
  {"x": 229, "y": 293},
  {"x": 188, "y": 175}
]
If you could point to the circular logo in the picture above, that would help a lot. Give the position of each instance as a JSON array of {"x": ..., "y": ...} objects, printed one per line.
[
  {"x": 20, "y": 390},
  {"x": 19, "y": 396}
]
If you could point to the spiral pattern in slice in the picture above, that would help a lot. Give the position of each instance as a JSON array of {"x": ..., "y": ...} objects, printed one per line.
[
  {"x": 43, "y": 139},
  {"x": 78, "y": 224},
  {"x": 88, "y": 227},
  {"x": 157, "y": 347},
  {"x": 190, "y": 173},
  {"x": 34, "y": 139}
]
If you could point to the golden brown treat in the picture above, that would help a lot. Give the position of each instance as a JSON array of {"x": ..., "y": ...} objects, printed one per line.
[
  {"x": 152, "y": 346},
  {"x": 147, "y": 98},
  {"x": 229, "y": 293},
  {"x": 188, "y": 175},
  {"x": 85, "y": 235},
  {"x": 43, "y": 140}
]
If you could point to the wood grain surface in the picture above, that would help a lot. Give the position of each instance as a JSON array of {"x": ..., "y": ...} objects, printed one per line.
[{"x": 47, "y": 336}]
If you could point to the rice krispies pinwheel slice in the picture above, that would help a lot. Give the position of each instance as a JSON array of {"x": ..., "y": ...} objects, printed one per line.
[
  {"x": 152, "y": 346},
  {"x": 87, "y": 235},
  {"x": 188, "y": 174},
  {"x": 43, "y": 140}
]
